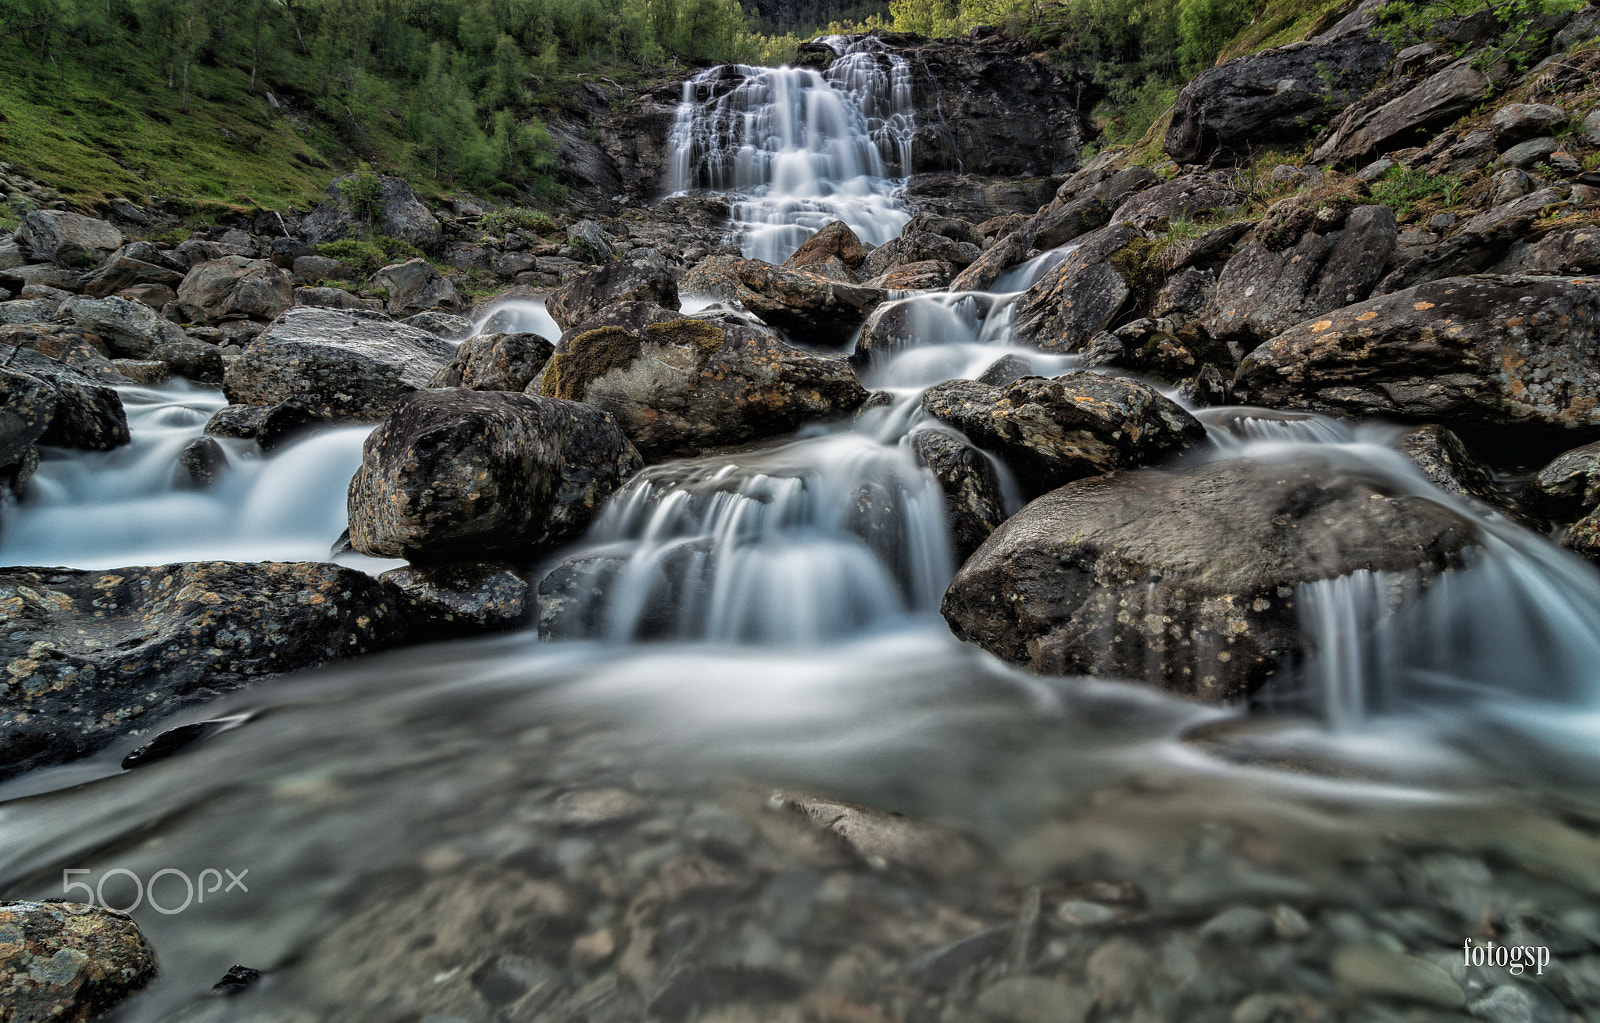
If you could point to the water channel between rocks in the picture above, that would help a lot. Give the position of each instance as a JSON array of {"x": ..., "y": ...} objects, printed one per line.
[{"x": 621, "y": 821}]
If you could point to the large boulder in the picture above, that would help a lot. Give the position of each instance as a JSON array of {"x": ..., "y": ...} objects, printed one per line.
[
  {"x": 336, "y": 365},
  {"x": 631, "y": 280},
  {"x": 69, "y": 962},
  {"x": 235, "y": 288},
  {"x": 1186, "y": 579},
  {"x": 496, "y": 362},
  {"x": 45, "y": 402},
  {"x": 1080, "y": 296},
  {"x": 137, "y": 264},
  {"x": 132, "y": 330},
  {"x": 1407, "y": 119},
  {"x": 1182, "y": 198},
  {"x": 415, "y": 286},
  {"x": 1493, "y": 235},
  {"x": 459, "y": 474},
  {"x": 1053, "y": 430},
  {"x": 810, "y": 308},
  {"x": 69, "y": 239},
  {"x": 1481, "y": 350},
  {"x": 683, "y": 385},
  {"x": 832, "y": 241},
  {"x": 1275, "y": 97},
  {"x": 99, "y": 654},
  {"x": 1273, "y": 282},
  {"x": 395, "y": 211}
]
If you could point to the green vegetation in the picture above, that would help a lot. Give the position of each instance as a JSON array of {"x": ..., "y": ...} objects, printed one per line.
[
  {"x": 1520, "y": 23},
  {"x": 365, "y": 258},
  {"x": 1405, "y": 188},
  {"x": 517, "y": 218},
  {"x": 217, "y": 106}
]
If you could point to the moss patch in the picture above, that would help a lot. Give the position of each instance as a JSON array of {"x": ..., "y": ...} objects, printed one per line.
[
  {"x": 1137, "y": 265},
  {"x": 1321, "y": 208},
  {"x": 589, "y": 356},
  {"x": 697, "y": 334}
]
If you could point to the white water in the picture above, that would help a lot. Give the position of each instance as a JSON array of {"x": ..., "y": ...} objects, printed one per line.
[{"x": 795, "y": 149}]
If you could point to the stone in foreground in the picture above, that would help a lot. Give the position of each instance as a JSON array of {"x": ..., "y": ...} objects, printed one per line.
[
  {"x": 468, "y": 475},
  {"x": 1185, "y": 579},
  {"x": 67, "y": 962},
  {"x": 95, "y": 655}
]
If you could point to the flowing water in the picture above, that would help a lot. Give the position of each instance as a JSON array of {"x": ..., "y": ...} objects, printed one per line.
[{"x": 413, "y": 829}]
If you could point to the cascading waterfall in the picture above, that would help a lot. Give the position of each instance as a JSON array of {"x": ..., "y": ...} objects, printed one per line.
[{"x": 795, "y": 148}]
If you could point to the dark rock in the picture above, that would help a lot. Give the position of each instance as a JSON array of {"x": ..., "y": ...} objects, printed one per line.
[
  {"x": 1005, "y": 370},
  {"x": 1409, "y": 118},
  {"x": 415, "y": 286},
  {"x": 626, "y": 281},
  {"x": 835, "y": 240},
  {"x": 1267, "y": 288},
  {"x": 1053, "y": 430},
  {"x": 39, "y": 274},
  {"x": 1061, "y": 222},
  {"x": 926, "y": 275},
  {"x": 1275, "y": 97},
  {"x": 589, "y": 242},
  {"x": 328, "y": 298},
  {"x": 1525, "y": 154},
  {"x": 200, "y": 461},
  {"x": 1007, "y": 251},
  {"x": 1185, "y": 295},
  {"x": 496, "y": 362},
  {"x": 50, "y": 403},
  {"x": 1476, "y": 245},
  {"x": 102, "y": 653},
  {"x": 337, "y": 366},
  {"x": 28, "y": 310},
  {"x": 977, "y": 198},
  {"x": 471, "y": 474},
  {"x": 921, "y": 247},
  {"x": 682, "y": 385},
  {"x": 1185, "y": 578},
  {"x": 233, "y": 288},
  {"x": 143, "y": 371},
  {"x": 810, "y": 308},
  {"x": 1080, "y": 296},
  {"x": 460, "y": 598},
  {"x": 67, "y": 239},
  {"x": 237, "y": 979},
  {"x": 68, "y": 962},
  {"x": 974, "y": 504},
  {"x": 175, "y": 740},
  {"x": 269, "y": 425},
  {"x": 399, "y": 215},
  {"x": 1465, "y": 350},
  {"x": 1445, "y": 460},
  {"x": 1569, "y": 485},
  {"x": 284, "y": 251},
  {"x": 124, "y": 270},
  {"x": 317, "y": 268}
]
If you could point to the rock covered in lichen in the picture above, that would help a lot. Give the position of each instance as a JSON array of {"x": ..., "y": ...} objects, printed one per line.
[{"x": 66, "y": 962}]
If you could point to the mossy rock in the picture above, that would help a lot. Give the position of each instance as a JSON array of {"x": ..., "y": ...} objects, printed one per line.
[
  {"x": 706, "y": 339},
  {"x": 589, "y": 356}
]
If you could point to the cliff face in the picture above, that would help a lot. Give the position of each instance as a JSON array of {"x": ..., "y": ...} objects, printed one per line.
[{"x": 983, "y": 106}]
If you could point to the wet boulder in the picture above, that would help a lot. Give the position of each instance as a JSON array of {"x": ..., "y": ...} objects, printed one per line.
[
  {"x": 925, "y": 275},
  {"x": 973, "y": 501},
  {"x": 1080, "y": 296},
  {"x": 1274, "y": 97},
  {"x": 67, "y": 239},
  {"x": 339, "y": 366},
  {"x": 235, "y": 288},
  {"x": 1277, "y": 280},
  {"x": 1444, "y": 459},
  {"x": 683, "y": 385},
  {"x": 1187, "y": 579},
  {"x": 631, "y": 280},
  {"x": 397, "y": 213},
  {"x": 1465, "y": 350},
  {"x": 1053, "y": 430},
  {"x": 415, "y": 286},
  {"x": 100, "y": 654},
  {"x": 446, "y": 325},
  {"x": 45, "y": 402},
  {"x": 808, "y": 307},
  {"x": 268, "y": 425},
  {"x": 495, "y": 362},
  {"x": 456, "y": 474},
  {"x": 459, "y": 598},
  {"x": 834, "y": 240},
  {"x": 69, "y": 962},
  {"x": 132, "y": 330},
  {"x": 1569, "y": 486}
]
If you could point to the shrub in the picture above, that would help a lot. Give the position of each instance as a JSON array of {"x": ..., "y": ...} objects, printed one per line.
[
  {"x": 363, "y": 193},
  {"x": 366, "y": 257}
]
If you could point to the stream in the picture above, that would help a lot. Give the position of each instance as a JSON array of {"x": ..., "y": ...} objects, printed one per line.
[{"x": 442, "y": 832}]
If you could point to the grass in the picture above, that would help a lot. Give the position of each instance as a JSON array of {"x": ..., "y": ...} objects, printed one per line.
[
  {"x": 98, "y": 133},
  {"x": 1281, "y": 22},
  {"x": 1403, "y": 189}
]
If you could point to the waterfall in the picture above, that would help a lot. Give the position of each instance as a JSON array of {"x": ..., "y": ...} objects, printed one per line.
[{"x": 796, "y": 148}]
